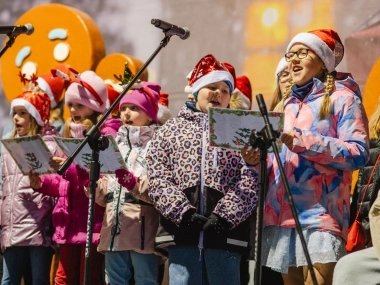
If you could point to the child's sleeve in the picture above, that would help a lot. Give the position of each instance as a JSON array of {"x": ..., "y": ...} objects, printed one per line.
[
  {"x": 241, "y": 197},
  {"x": 142, "y": 191},
  {"x": 101, "y": 191},
  {"x": 349, "y": 150},
  {"x": 167, "y": 198},
  {"x": 53, "y": 185}
]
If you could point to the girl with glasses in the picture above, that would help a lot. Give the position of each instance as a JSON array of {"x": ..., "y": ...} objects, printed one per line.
[{"x": 325, "y": 138}]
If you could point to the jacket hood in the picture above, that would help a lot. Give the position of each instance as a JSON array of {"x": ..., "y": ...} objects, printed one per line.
[
  {"x": 346, "y": 81},
  {"x": 135, "y": 135}
]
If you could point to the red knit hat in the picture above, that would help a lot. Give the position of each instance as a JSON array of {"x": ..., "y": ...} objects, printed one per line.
[
  {"x": 243, "y": 86},
  {"x": 53, "y": 86},
  {"x": 36, "y": 103},
  {"x": 209, "y": 70},
  {"x": 325, "y": 43}
]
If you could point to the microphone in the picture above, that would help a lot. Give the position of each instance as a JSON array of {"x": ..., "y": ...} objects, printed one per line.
[
  {"x": 13, "y": 31},
  {"x": 170, "y": 29}
]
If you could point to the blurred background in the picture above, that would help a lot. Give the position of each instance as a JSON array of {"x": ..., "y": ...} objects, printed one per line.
[{"x": 252, "y": 35}]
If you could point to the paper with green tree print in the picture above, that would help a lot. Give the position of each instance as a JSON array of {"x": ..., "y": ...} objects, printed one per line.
[
  {"x": 229, "y": 128},
  {"x": 30, "y": 153},
  {"x": 110, "y": 159}
]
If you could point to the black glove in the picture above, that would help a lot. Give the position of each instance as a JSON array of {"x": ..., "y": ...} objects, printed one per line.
[
  {"x": 216, "y": 224},
  {"x": 191, "y": 221}
]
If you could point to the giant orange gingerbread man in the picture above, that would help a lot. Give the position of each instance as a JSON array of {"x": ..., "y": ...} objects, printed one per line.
[{"x": 62, "y": 35}]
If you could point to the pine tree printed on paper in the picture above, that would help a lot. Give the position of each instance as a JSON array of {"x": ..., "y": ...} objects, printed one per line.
[
  {"x": 242, "y": 137},
  {"x": 32, "y": 160}
]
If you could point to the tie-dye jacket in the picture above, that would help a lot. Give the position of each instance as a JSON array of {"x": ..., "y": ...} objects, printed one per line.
[{"x": 320, "y": 164}]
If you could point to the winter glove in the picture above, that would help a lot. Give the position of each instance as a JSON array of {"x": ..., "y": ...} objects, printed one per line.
[
  {"x": 192, "y": 222},
  {"x": 83, "y": 176},
  {"x": 126, "y": 179},
  {"x": 216, "y": 224}
]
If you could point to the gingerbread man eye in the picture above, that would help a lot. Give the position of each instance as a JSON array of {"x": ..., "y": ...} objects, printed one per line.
[{"x": 61, "y": 50}]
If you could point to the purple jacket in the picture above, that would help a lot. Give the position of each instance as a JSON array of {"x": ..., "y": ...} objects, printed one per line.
[
  {"x": 70, "y": 213},
  {"x": 25, "y": 214}
]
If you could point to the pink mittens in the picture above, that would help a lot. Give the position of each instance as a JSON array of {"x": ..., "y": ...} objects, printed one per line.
[{"x": 126, "y": 179}]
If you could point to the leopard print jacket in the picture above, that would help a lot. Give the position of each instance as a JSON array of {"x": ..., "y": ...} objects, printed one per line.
[{"x": 175, "y": 164}]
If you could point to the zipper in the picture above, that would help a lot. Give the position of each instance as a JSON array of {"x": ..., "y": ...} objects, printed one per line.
[
  {"x": 201, "y": 209},
  {"x": 142, "y": 231},
  {"x": 120, "y": 192},
  {"x": 117, "y": 219}
]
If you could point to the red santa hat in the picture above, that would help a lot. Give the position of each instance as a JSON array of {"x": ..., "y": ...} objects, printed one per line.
[
  {"x": 36, "y": 103},
  {"x": 231, "y": 69},
  {"x": 114, "y": 90},
  {"x": 163, "y": 108},
  {"x": 209, "y": 70},
  {"x": 188, "y": 88},
  {"x": 53, "y": 86},
  {"x": 243, "y": 87},
  {"x": 325, "y": 43}
]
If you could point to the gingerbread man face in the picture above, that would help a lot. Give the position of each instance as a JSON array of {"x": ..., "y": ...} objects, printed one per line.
[{"x": 62, "y": 35}]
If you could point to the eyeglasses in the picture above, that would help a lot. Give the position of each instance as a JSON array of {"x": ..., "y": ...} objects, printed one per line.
[{"x": 302, "y": 53}]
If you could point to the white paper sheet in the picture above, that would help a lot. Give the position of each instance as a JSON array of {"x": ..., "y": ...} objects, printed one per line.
[
  {"x": 230, "y": 128},
  {"x": 110, "y": 159},
  {"x": 30, "y": 152}
]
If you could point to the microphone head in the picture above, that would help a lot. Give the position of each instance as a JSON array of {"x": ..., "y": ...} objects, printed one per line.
[
  {"x": 186, "y": 34},
  {"x": 29, "y": 29}
]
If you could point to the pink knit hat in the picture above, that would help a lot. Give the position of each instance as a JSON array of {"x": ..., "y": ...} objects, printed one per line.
[
  {"x": 144, "y": 95},
  {"x": 89, "y": 90}
]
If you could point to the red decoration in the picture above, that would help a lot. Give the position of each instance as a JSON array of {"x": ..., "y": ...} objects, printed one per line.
[{"x": 22, "y": 77}]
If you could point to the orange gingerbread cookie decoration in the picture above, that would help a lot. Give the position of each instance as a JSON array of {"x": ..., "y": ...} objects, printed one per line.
[{"x": 62, "y": 35}]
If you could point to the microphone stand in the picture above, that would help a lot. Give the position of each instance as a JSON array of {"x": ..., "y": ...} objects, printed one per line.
[
  {"x": 263, "y": 140},
  {"x": 9, "y": 43},
  {"x": 97, "y": 143}
]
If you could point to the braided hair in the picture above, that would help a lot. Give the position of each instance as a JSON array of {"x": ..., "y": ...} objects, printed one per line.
[{"x": 326, "y": 103}]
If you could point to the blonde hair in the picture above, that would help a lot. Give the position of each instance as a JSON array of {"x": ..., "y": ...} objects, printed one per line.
[
  {"x": 88, "y": 122},
  {"x": 326, "y": 106},
  {"x": 34, "y": 128},
  {"x": 281, "y": 104},
  {"x": 374, "y": 123},
  {"x": 277, "y": 96},
  {"x": 55, "y": 115}
]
